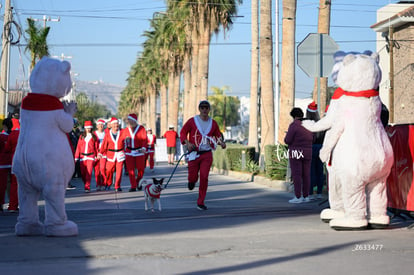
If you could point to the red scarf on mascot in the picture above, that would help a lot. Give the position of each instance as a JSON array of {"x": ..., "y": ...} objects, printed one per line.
[
  {"x": 42, "y": 102},
  {"x": 368, "y": 93}
]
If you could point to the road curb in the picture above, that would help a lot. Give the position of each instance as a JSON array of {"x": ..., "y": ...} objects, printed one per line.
[{"x": 275, "y": 184}]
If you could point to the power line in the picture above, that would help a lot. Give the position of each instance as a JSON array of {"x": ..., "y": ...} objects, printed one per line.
[{"x": 211, "y": 44}]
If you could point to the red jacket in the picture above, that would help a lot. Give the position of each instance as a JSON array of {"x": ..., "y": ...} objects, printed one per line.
[
  {"x": 151, "y": 141},
  {"x": 5, "y": 157},
  {"x": 134, "y": 140},
  {"x": 198, "y": 137},
  {"x": 87, "y": 148},
  {"x": 112, "y": 148}
]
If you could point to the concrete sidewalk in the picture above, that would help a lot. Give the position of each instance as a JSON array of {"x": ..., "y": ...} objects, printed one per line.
[{"x": 248, "y": 229}]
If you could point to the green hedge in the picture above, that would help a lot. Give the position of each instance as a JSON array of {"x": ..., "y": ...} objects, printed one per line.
[
  {"x": 276, "y": 160},
  {"x": 231, "y": 157}
]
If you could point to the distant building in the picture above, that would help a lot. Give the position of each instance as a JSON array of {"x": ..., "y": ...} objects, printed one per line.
[{"x": 397, "y": 20}]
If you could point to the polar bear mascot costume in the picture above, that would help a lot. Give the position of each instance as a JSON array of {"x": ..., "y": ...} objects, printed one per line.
[
  {"x": 43, "y": 162},
  {"x": 357, "y": 146}
]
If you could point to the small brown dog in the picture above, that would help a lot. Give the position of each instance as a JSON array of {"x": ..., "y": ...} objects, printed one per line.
[{"x": 152, "y": 192}]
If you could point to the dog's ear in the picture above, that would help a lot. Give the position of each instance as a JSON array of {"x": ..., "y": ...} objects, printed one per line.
[
  {"x": 161, "y": 180},
  {"x": 154, "y": 180}
]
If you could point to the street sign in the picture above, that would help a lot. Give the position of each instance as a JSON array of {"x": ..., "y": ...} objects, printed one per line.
[{"x": 315, "y": 54}]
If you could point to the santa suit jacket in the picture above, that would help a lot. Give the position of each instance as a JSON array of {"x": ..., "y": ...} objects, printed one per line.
[
  {"x": 5, "y": 157},
  {"x": 198, "y": 136},
  {"x": 112, "y": 148},
  {"x": 151, "y": 141},
  {"x": 87, "y": 148},
  {"x": 134, "y": 140},
  {"x": 11, "y": 144}
]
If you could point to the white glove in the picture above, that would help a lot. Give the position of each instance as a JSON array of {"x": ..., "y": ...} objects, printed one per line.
[
  {"x": 324, "y": 154},
  {"x": 70, "y": 107}
]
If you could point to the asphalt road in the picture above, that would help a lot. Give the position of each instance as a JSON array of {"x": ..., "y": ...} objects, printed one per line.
[{"x": 248, "y": 229}]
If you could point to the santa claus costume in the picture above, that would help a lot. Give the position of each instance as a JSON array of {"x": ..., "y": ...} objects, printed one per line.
[
  {"x": 10, "y": 148},
  {"x": 100, "y": 163},
  {"x": 201, "y": 134},
  {"x": 151, "y": 141},
  {"x": 113, "y": 148},
  {"x": 134, "y": 138},
  {"x": 86, "y": 152},
  {"x": 5, "y": 168}
]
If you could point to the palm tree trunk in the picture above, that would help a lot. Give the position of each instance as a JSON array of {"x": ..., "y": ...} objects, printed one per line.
[
  {"x": 187, "y": 88},
  {"x": 175, "y": 99},
  {"x": 203, "y": 58},
  {"x": 287, "y": 87},
  {"x": 266, "y": 75},
  {"x": 164, "y": 109},
  {"x": 147, "y": 120},
  {"x": 254, "y": 77},
  {"x": 153, "y": 109},
  {"x": 195, "y": 86},
  {"x": 170, "y": 96},
  {"x": 324, "y": 21},
  {"x": 204, "y": 61}
]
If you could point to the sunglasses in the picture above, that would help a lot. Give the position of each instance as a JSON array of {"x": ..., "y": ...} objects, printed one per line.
[{"x": 205, "y": 107}]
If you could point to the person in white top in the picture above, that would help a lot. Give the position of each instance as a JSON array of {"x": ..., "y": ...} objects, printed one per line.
[
  {"x": 100, "y": 163},
  {"x": 152, "y": 140}
]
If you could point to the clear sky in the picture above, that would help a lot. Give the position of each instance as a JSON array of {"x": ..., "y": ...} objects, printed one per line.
[{"x": 103, "y": 37}]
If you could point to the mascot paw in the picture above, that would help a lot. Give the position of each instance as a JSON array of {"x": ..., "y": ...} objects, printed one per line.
[
  {"x": 67, "y": 229},
  {"x": 329, "y": 214},
  {"x": 307, "y": 124},
  {"x": 70, "y": 107},
  {"x": 379, "y": 222},
  {"x": 342, "y": 224},
  {"x": 324, "y": 154},
  {"x": 34, "y": 229}
]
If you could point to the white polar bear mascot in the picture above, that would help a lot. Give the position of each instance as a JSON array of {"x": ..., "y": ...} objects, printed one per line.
[
  {"x": 43, "y": 162},
  {"x": 362, "y": 155}
]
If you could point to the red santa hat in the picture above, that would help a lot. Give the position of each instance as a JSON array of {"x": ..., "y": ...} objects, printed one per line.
[
  {"x": 113, "y": 119},
  {"x": 312, "y": 107},
  {"x": 133, "y": 117},
  {"x": 100, "y": 121},
  {"x": 88, "y": 124}
]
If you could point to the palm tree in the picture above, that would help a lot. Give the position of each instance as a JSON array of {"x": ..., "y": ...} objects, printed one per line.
[
  {"x": 37, "y": 44},
  {"x": 207, "y": 16},
  {"x": 254, "y": 77},
  {"x": 287, "y": 87},
  {"x": 173, "y": 43},
  {"x": 324, "y": 19},
  {"x": 212, "y": 14},
  {"x": 267, "y": 128},
  {"x": 225, "y": 109}
]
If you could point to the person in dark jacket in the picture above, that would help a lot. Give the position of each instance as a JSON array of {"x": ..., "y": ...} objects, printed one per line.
[
  {"x": 317, "y": 175},
  {"x": 299, "y": 141}
]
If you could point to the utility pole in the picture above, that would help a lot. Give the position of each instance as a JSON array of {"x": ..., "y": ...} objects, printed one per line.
[
  {"x": 276, "y": 83},
  {"x": 391, "y": 75},
  {"x": 5, "y": 60},
  {"x": 45, "y": 19}
]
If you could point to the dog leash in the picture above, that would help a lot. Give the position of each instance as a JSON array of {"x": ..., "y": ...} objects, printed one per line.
[{"x": 175, "y": 168}]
